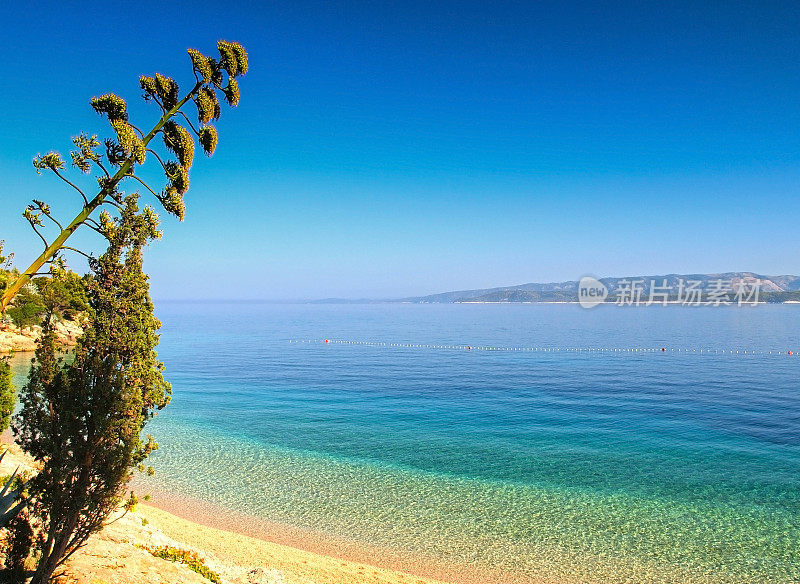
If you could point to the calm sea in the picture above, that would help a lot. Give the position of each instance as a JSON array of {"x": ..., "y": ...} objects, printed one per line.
[{"x": 617, "y": 465}]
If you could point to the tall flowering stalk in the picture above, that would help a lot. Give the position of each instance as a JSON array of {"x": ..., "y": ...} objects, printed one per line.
[
  {"x": 119, "y": 157},
  {"x": 83, "y": 421}
]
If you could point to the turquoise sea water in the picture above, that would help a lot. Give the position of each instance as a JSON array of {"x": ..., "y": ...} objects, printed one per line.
[{"x": 613, "y": 466}]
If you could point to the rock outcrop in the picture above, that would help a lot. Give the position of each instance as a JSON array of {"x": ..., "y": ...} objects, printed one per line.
[{"x": 16, "y": 339}]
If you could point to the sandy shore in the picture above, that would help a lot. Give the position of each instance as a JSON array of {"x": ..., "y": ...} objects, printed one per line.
[
  {"x": 280, "y": 563},
  {"x": 115, "y": 556},
  {"x": 118, "y": 554},
  {"x": 257, "y": 536}
]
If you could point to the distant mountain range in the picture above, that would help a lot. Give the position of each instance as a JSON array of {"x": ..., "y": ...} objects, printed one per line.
[{"x": 772, "y": 288}]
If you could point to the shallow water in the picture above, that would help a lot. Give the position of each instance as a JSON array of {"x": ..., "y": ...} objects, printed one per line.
[{"x": 560, "y": 465}]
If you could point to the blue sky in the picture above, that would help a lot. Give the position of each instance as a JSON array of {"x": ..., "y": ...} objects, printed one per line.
[{"x": 399, "y": 148}]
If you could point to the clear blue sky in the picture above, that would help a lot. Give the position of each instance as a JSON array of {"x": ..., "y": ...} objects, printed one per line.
[{"x": 396, "y": 148}]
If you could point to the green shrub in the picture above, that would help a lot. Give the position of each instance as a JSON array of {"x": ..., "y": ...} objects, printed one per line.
[
  {"x": 8, "y": 395},
  {"x": 64, "y": 295},
  {"x": 17, "y": 480},
  {"x": 28, "y": 309},
  {"x": 19, "y": 546},
  {"x": 190, "y": 559}
]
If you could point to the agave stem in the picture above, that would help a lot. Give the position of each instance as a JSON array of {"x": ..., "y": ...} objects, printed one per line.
[{"x": 88, "y": 208}]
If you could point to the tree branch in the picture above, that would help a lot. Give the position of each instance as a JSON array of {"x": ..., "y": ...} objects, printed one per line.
[
  {"x": 87, "y": 256},
  {"x": 154, "y": 153},
  {"x": 113, "y": 204},
  {"x": 137, "y": 129},
  {"x": 96, "y": 229},
  {"x": 103, "y": 168},
  {"x": 145, "y": 185},
  {"x": 58, "y": 174},
  {"x": 196, "y": 133},
  {"x": 49, "y": 216},
  {"x": 158, "y": 102},
  {"x": 33, "y": 226},
  {"x": 90, "y": 206}
]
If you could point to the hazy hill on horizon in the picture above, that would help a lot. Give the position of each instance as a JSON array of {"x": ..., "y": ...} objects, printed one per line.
[{"x": 773, "y": 288}]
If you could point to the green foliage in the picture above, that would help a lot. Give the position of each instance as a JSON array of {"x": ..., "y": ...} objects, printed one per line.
[
  {"x": 51, "y": 161},
  {"x": 8, "y": 395},
  {"x": 131, "y": 503},
  {"x": 16, "y": 481},
  {"x": 173, "y": 202},
  {"x": 5, "y": 260},
  {"x": 28, "y": 308},
  {"x": 241, "y": 58},
  {"x": 232, "y": 93},
  {"x": 201, "y": 64},
  {"x": 86, "y": 154},
  {"x": 167, "y": 91},
  {"x": 205, "y": 107},
  {"x": 233, "y": 58},
  {"x": 63, "y": 294},
  {"x": 116, "y": 157},
  {"x": 130, "y": 146},
  {"x": 208, "y": 139},
  {"x": 178, "y": 140},
  {"x": 6, "y": 277},
  {"x": 11, "y": 494},
  {"x": 129, "y": 141},
  {"x": 148, "y": 85},
  {"x": 190, "y": 559},
  {"x": 113, "y": 106},
  {"x": 83, "y": 421},
  {"x": 18, "y": 546},
  {"x": 211, "y": 95},
  {"x": 178, "y": 176},
  {"x": 776, "y": 297},
  {"x": 227, "y": 58}
]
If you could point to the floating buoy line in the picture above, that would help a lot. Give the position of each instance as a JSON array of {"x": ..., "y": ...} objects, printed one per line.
[{"x": 449, "y": 347}]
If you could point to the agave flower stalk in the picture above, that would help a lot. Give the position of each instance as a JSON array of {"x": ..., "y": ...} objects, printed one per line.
[{"x": 131, "y": 147}]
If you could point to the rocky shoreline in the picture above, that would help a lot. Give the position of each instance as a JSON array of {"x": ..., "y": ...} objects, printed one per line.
[{"x": 14, "y": 339}]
